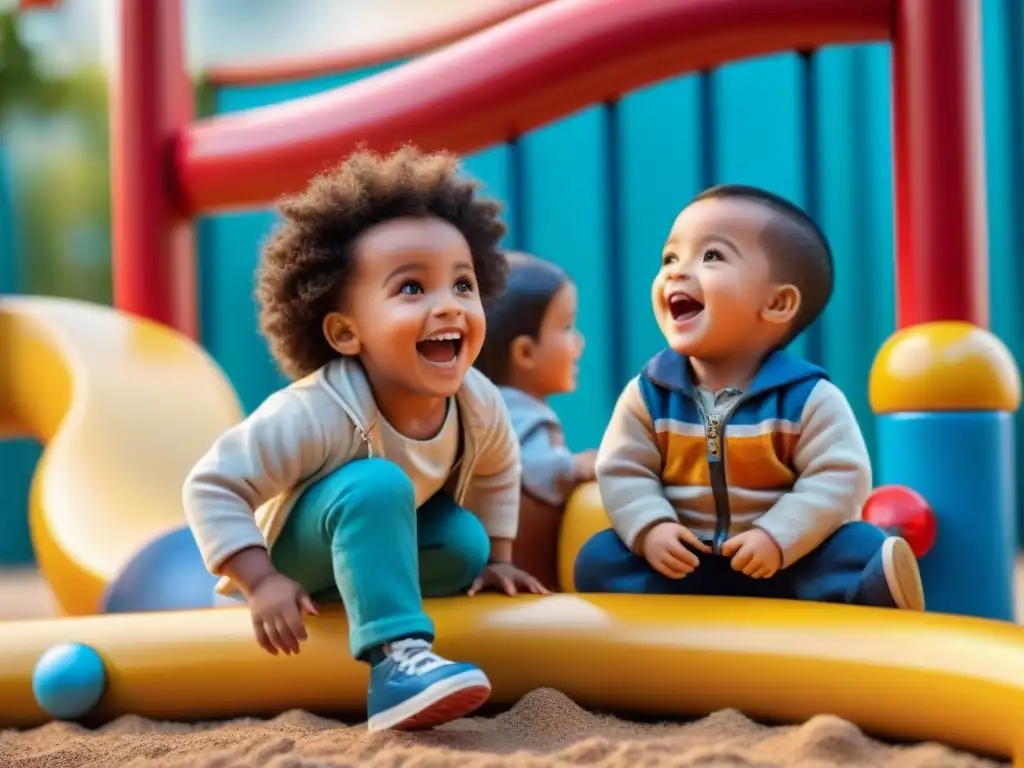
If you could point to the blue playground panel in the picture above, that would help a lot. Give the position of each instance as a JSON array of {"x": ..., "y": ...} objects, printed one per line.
[
  {"x": 17, "y": 457},
  {"x": 597, "y": 193},
  {"x": 961, "y": 465}
]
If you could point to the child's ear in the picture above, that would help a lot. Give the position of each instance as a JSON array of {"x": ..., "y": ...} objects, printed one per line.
[
  {"x": 521, "y": 352},
  {"x": 341, "y": 334},
  {"x": 784, "y": 304}
]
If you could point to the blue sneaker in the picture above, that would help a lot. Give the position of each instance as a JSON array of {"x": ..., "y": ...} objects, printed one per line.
[{"x": 414, "y": 688}]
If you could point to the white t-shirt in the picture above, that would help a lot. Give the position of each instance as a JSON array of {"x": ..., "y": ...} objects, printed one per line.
[{"x": 428, "y": 463}]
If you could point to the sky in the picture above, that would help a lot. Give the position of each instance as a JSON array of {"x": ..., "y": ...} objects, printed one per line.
[{"x": 81, "y": 32}]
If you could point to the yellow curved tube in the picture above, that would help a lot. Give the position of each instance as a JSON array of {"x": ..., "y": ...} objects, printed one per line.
[
  {"x": 125, "y": 407},
  {"x": 898, "y": 674}
]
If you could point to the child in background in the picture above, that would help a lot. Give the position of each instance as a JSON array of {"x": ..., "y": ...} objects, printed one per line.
[
  {"x": 730, "y": 467},
  {"x": 531, "y": 352},
  {"x": 389, "y": 470}
]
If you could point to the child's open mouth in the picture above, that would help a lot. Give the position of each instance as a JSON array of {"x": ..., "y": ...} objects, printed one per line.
[
  {"x": 441, "y": 349},
  {"x": 684, "y": 307}
]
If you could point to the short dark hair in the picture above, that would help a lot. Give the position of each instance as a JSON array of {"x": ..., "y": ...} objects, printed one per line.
[
  {"x": 796, "y": 246},
  {"x": 531, "y": 285},
  {"x": 309, "y": 258}
]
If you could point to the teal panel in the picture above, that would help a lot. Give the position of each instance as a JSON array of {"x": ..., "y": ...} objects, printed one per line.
[
  {"x": 17, "y": 457},
  {"x": 659, "y": 160},
  {"x": 1003, "y": 66},
  {"x": 759, "y": 129},
  {"x": 229, "y": 248},
  {"x": 228, "y": 255},
  {"x": 493, "y": 168},
  {"x": 565, "y": 219},
  {"x": 841, "y": 170},
  {"x": 874, "y": 100}
]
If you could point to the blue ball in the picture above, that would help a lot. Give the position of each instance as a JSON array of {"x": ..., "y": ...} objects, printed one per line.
[{"x": 68, "y": 680}]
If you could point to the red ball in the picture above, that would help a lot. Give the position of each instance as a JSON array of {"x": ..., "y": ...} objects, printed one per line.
[{"x": 900, "y": 511}]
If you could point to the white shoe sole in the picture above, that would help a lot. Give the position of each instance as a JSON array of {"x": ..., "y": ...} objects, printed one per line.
[
  {"x": 902, "y": 574},
  {"x": 444, "y": 701}
]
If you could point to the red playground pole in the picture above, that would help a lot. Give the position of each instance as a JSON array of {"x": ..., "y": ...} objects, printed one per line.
[
  {"x": 942, "y": 226},
  {"x": 151, "y": 101}
]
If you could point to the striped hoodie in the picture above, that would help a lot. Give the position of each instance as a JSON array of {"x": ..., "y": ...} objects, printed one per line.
[{"x": 786, "y": 455}]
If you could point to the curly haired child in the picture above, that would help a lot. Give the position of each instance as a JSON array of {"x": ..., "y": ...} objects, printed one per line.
[
  {"x": 731, "y": 467},
  {"x": 389, "y": 470}
]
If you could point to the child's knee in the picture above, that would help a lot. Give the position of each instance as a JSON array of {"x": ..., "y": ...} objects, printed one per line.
[
  {"x": 451, "y": 567},
  {"x": 857, "y": 538},
  {"x": 470, "y": 545},
  {"x": 375, "y": 485},
  {"x": 595, "y": 561}
]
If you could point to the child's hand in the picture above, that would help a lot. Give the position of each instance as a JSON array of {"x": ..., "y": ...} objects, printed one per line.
[
  {"x": 663, "y": 547},
  {"x": 508, "y": 579},
  {"x": 277, "y": 604},
  {"x": 583, "y": 466},
  {"x": 755, "y": 553}
]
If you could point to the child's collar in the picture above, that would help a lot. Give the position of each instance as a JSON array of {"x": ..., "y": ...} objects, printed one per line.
[
  {"x": 346, "y": 380},
  {"x": 671, "y": 370}
]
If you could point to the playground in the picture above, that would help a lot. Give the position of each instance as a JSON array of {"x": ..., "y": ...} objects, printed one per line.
[{"x": 117, "y": 637}]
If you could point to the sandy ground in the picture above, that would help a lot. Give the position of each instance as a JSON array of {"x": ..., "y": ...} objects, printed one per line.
[{"x": 544, "y": 729}]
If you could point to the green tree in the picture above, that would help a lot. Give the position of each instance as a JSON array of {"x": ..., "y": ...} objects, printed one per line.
[
  {"x": 61, "y": 195},
  {"x": 21, "y": 83}
]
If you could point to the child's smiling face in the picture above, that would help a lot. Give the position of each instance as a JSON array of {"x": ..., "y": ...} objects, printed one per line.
[
  {"x": 549, "y": 364},
  {"x": 714, "y": 285},
  {"x": 412, "y": 312}
]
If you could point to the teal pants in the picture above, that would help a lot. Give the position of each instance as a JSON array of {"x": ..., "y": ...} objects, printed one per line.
[{"x": 357, "y": 535}]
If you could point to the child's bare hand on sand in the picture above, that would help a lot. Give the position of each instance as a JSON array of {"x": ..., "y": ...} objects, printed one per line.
[
  {"x": 583, "y": 466},
  {"x": 508, "y": 579},
  {"x": 277, "y": 604},
  {"x": 664, "y": 548}
]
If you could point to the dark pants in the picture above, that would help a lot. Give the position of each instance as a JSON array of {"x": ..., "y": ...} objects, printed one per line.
[{"x": 846, "y": 568}]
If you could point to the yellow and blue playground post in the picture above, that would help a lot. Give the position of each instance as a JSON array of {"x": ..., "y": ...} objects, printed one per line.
[{"x": 944, "y": 394}]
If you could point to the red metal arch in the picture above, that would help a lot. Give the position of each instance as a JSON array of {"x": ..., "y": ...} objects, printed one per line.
[
  {"x": 530, "y": 70},
  {"x": 504, "y": 81}
]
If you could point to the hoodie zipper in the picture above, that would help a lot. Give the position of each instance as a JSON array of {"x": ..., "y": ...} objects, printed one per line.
[
  {"x": 714, "y": 429},
  {"x": 715, "y": 424},
  {"x": 368, "y": 439}
]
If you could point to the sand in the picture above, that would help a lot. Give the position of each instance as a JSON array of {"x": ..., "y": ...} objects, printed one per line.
[{"x": 544, "y": 729}]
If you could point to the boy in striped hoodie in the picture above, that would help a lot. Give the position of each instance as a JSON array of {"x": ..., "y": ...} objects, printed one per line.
[{"x": 731, "y": 467}]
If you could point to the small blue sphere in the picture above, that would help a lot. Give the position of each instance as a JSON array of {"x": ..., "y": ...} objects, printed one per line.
[{"x": 68, "y": 680}]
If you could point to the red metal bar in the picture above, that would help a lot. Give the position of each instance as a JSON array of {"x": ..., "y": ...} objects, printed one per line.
[
  {"x": 368, "y": 55},
  {"x": 534, "y": 68},
  {"x": 942, "y": 227},
  {"x": 151, "y": 101}
]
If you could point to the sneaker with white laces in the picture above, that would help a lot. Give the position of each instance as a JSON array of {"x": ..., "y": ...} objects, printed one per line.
[
  {"x": 413, "y": 688},
  {"x": 902, "y": 575}
]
